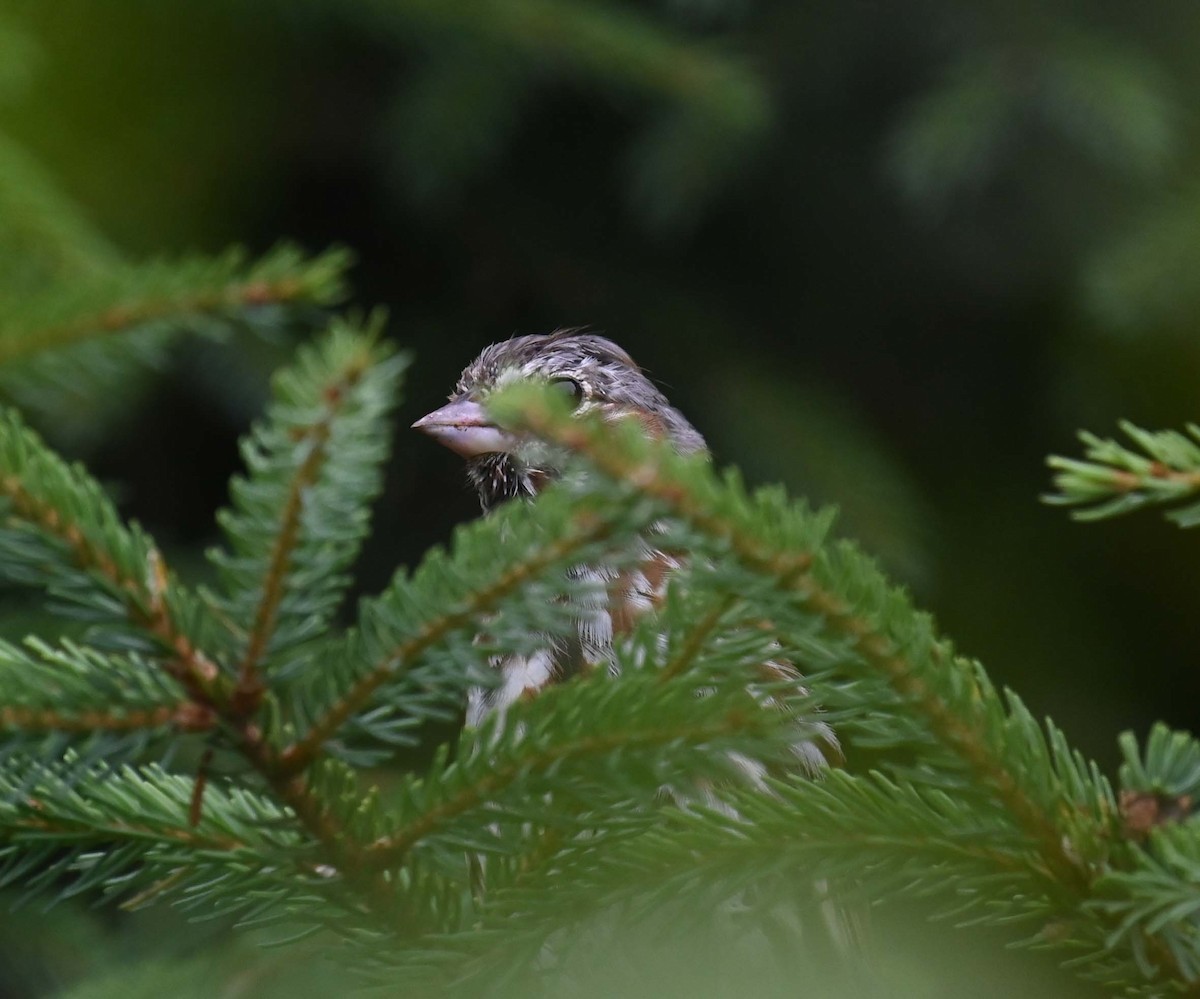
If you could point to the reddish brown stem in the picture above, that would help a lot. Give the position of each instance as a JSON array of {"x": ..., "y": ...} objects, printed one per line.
[{"x": 50, "y": 719}]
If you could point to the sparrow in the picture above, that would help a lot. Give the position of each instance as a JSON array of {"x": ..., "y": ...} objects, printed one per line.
[{"x": 596, "y": 376}]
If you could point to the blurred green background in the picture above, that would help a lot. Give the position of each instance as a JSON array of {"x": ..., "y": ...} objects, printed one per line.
[{"x": 889, "y": 254}]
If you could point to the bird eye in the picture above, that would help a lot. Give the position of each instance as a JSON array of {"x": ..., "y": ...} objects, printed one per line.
[{"x": 570, "y": 389}]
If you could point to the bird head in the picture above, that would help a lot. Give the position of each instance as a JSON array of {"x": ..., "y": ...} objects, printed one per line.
[{"x": 593, "y": 373}]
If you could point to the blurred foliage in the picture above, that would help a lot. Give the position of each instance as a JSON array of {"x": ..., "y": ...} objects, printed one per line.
[
  {"x": 68, "y": 954},
  {"x": 951, "y": 234},
  {"x": 483, "y": 58},
  {"x": 1104, "y": 101}
]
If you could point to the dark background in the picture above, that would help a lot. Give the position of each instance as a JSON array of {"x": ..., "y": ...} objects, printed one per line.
[{"x": 889, "y": 254}]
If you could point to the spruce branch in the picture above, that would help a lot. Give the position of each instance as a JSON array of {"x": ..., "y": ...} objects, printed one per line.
[
  {"x": 1154, "y": 905},
  {"x": 77, "y": 690},
  {"x": 696, "y": 637},
  {"x": 120, "y": 828},
  {"x": 1168, "y": 767},
  {"x": 1163, "y": 469},
  {"x": 1151, "y": 902},
  {"x": 897, "y": 839},
  {"x": 89, "y": 556},
  {"x": 165, "y": 295},
  {"x": 29, "y": 719},
  {"x": 298, "y": 520},
  {"x": 885, "y": 635},
  {"x": 64, "y": 534}
]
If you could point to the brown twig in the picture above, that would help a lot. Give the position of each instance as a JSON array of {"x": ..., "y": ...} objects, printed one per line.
[{"x": 53, "y": 720}]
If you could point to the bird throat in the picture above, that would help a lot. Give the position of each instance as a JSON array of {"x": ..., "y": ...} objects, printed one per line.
[{"x": 499, "y": 477}]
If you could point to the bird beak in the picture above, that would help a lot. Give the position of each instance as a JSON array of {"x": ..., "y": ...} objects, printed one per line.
[{"x": 464, "y": 427}]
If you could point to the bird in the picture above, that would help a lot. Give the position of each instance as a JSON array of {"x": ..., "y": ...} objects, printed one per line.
[{"x": 596, "y": 376}]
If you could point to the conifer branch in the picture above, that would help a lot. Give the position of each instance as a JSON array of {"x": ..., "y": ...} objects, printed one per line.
[
  {"x": 316, "y": 436},
  {"x": 963, "y": 726},
  {"x": 698, "y": 858},
  {"x": 78, "y": 832},
  {"x": 116, "y": 827},
  {"x": 126, "y": 297},
  {"x": 37, "y": 485},
  {"x": 391, "y": 850},
  {"x": 311, "y": 439},
  {"x": 71, "y": 689},
  {"x": 557, "y": 791},
  {"x": 1164, "y": 469},
  {"x": 299, "y": 515},
  {"x": 141, "y": 802},
  {"x": 143, "y": 604},
  {"x": 313, "y": 812},
  {"x": 693, "y": 643}
]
